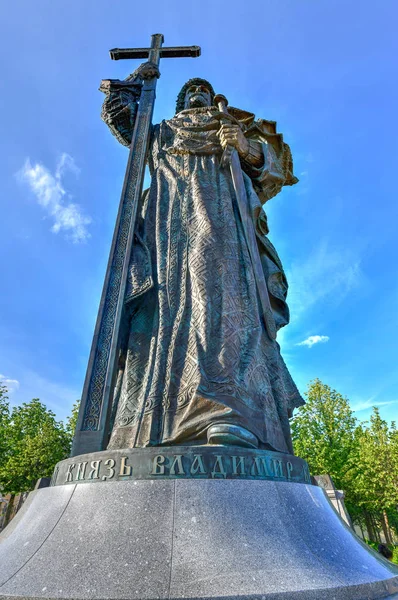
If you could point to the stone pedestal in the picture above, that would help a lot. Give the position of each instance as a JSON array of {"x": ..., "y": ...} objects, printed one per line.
[
  {"x": 187, "y": 538},
  {"x": 335, "y": 496}
]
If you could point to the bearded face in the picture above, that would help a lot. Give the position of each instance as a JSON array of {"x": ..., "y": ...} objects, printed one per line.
[{"x": 197, "y": 96}]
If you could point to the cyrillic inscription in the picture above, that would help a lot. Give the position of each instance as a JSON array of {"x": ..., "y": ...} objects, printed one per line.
[
  {"x": 110, "y": 463},
  {"x": 277, "y": 464},
  {"x": 125, "y": 470},
  {"x": 177, "y": 463},
  {"x": 211, "y": 463},
  {"x": 218, "y": 468},
  {"x": 69, "y": 474},
  {"x": 81, "y": 469},
  {"x": 197, "y": 466},
  {"x": 238, "y": 462},
  {"x": 95, "y": 467},
  {"x": 260, "y": 468},
  {"x": 158, "y": 465}
]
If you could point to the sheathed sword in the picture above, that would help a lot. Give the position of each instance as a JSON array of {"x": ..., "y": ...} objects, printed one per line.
[{"x": 248, "y": 227}]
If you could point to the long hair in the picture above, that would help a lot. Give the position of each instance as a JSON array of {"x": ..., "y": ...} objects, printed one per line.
[{"x": 180, "y": 104}]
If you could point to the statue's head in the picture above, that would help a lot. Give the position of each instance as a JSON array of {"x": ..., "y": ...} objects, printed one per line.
[{"x": 194, "y": 94}]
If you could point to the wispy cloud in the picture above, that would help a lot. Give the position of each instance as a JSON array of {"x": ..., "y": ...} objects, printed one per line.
[
  {"x": 370, "y": 402},
  {"x": 52, "y": 197},
  {"x": 56, "y": 395},
  {"x": 11, "y": 384},
  {"x": 314, "y": 339},
  {"x": 330, "y": 273}
]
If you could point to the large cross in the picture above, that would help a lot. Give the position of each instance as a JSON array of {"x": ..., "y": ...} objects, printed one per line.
[
  {"x": 92, "y": 429},
  {"x": 155, "y": 51}
]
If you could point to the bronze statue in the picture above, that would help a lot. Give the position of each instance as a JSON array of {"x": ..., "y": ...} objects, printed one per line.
[
  {"x": 198, "y": 365},
  {"x": 203, "y": 291}
]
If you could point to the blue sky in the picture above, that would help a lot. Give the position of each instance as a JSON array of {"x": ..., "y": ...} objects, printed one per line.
[{"x": 324, "y": 70}]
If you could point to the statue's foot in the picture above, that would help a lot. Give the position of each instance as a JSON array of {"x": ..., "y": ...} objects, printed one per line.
[{"x": 225, "y": 434}]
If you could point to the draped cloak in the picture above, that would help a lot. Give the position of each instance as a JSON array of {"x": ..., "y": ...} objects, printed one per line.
[{"x": 195, "y": 350}]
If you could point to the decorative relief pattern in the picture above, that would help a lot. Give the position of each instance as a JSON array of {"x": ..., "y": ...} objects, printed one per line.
[
  {"x": 107, "y": 325},
  {"x": 198, "y": 352}
]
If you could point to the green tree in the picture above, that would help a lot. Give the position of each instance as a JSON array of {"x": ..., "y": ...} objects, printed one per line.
[
  {"x": 377, "y": 473},
  {"x": 393, "y": 440},
  {"x": 323, "y": 433},
  {"x": 361, "y": 458},
  {"x": 71, "y": 421},
  {"x": 4, "y": 422},
  {"x": 33, "y": 442}
]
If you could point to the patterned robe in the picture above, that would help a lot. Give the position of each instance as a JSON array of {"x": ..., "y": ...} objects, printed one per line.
[{"x": 196, "y": 351}]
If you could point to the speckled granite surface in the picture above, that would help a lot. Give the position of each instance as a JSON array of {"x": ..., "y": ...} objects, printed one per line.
[{"x": 191, "y": 539}]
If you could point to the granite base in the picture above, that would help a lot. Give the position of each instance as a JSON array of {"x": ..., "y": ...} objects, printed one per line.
[{"x": 186, "y": 538}]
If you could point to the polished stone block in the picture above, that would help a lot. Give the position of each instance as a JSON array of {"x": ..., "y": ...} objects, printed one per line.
[
  {"x": 30, "y": 528},
  {"x": 111, "y": 538},
  {"x": 186, "y": 538}
]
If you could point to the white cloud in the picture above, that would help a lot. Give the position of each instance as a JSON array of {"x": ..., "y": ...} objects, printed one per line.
[
  {"x": 314, "y": 339},
  {"x": 329, "y": 273},
  {"x": 370, "y": 403},
  {"x": 11, "y": 384},
  {"x": 52, "y": 197},
  {"x": 66, "y": 163}
]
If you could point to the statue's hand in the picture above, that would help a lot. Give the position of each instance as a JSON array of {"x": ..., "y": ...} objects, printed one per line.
[
  {"x": 147, "y": 70},
  {"x": 232, "y": 135}
]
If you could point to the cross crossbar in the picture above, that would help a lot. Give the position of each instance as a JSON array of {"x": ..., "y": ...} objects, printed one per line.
[{"x": 172, "y": 52}]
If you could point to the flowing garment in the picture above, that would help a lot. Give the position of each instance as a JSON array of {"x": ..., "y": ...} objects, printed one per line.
[{"x": 196, "y": 351}]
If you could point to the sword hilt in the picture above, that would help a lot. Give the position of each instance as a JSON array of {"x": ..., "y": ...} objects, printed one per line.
[
  {"x": 229, "y": 157},
  {"x": 222, "y": 104}
]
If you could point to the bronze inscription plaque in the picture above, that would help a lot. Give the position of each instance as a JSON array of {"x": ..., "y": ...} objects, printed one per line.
[{"x": 177, "y": 462}]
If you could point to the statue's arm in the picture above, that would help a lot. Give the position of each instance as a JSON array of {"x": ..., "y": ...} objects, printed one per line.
[
  {"x": 276, "y": 169},
  {"x": 250, "y": 151},
  {"x": 253, "y": 154},
  {"x": 263, "y": 154},
  {"x": 120, "y": 106}
]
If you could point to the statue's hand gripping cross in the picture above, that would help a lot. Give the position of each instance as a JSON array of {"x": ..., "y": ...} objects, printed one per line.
[{"x": 153, "y": 54}]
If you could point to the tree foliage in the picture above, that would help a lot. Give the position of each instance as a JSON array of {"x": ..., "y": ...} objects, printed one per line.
[
  {"x": 377, "y": 467},
  {"x": 323, "y": 432},
  {"x": 71, "y": 421},
  {"x": 31, "y": 443},
  {"x": 362, "y": 458},
  {"x": 4, "y": 422}
]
